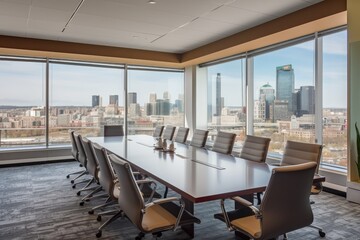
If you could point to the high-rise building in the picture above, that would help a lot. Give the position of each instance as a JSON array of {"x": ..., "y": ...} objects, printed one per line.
[
  {"x": 132, "y": 98},
  {"x": 218, "y": 95},
  {"x": 307, "y": 100},
  {"x": 285, "y": 84},
  {"x": 166, "y": 95},
  {"x": 95, "y": 100},
  {"x": 267, "y": 94},
  {"x": 114, "y": 99},
  {"x": 152, "y": 97}
]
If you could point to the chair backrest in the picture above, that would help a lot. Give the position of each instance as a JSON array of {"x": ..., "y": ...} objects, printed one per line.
[
  {"x": 255, "y": 148},
  {"x": 92, "y": 165},
  {"x": 158, "y": 131},
  {"x": 107, "y": 176},
  {"x": 81, "y": 153},
  {"x": 224, "y": 142},
  {"x": 298, "y": 152},
  {"x": 285, "y": 206},
  {"x": 181, "y": 135},
  {"x": 74, "y": 150},
  {"x": 169, "y": 132},
  {"x": 113, "y": 130},
  {"x": 199, "y": 138},
  {"x": 130, "y": 198}
]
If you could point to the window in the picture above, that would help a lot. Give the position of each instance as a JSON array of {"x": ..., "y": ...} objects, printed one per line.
[
  {"x": 22, "y": 103},
  {"x": 84, "y": 98},
  {"x": 334, "y": 99},
  {"x": 284, "y": 95},
  {"x": 155, "y": 97},
  {"x": 226, "y": 109}
]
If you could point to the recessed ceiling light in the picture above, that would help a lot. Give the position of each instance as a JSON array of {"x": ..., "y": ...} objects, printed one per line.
[{"x": 151, "y": 2}]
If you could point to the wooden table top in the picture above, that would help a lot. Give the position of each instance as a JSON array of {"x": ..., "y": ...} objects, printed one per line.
[{"x": 197, "y": 174}]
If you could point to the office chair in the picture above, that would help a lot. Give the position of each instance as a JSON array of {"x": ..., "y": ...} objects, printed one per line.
[
  {"x": 199, "y": 138},
  {"x": 255, "y": 149},
  {"x": 181, "y": 135},
  {"x": 92, "y": 168},
  {"x": 158, "y": 131},
  {"x": 169, "y": 132},
  {"x": 298, "y": 152},
  {"x": 154, "y": 217},
  {"x": 278, "y": 213},
  {"x": 109, "y": 184},
  {"x": 81, "y": 158},
  {"x": 113, "y": 130},
  {"x": 224, "y": 142},
  {"x": 74, "y": 153}
]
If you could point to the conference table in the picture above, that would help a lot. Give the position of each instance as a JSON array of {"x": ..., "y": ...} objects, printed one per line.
[{"x": 196, "y": 174}]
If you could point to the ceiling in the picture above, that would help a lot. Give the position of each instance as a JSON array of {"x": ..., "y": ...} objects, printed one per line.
[{"x": 173, "y": 26}]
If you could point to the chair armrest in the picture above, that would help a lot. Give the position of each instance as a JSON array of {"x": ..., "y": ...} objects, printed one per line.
[
  {"x": 143, "y": 181},
  {"x": 248, "y": 204},
  {"x": 170, "y": 199}
]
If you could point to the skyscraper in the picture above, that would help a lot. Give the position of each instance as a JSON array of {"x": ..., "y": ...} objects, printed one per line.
[
  {"x": 152, "y": 98},
  {"x": 307, "y": 100},
  {"x": 132, "y": 98},
  {"x": 267, "y": 94},
  {"x": 285, "y": 84},
  {"x": 166, "y": 95},
  {"x": 95, "y": 100},
  {"x": 218, "y": 95},
  {"x": 114, "y": 99}
]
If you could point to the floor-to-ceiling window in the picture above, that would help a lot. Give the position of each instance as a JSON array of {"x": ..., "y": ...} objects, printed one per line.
[
  {"x": 226, "y": 108},
  {"x": 334, "y": 100},
  {"x": 22, "y": 102},
  {"x": 84, "y": 97},
  {"x": 155, "y": 97},
  {"x": 284, "y": 95}
]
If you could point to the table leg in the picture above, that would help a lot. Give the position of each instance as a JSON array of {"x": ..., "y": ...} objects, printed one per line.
[
  {"x": 246, "y": 211},
  {"x": 189, "y": 228}
]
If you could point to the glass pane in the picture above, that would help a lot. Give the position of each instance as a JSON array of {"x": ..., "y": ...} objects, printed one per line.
[
  {"x": 284, "y": 92},
  {"x": 334, "y": 99},
  {"x": 226, "y": 100},
  {"x": 154, "y": 98},
  {"x": 22, "y": 104},
  {"x": 85, "y": 99}
]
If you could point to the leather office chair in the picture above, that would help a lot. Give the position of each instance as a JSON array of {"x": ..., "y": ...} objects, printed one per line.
[
  {"x": 93, "y": 169},
  {"x": 199, "y": 138},
  {"x": 113, "y": 130},
  {"x": 81, "y": 158},
  {"x": 169, "y": 132},
  {"x": 181, "y": 135},
  {"x": 109, "y": 184},
  {"x": 298, "y": 152},
  {"x": 158, "y": 131},
  {"x": 224, "y": 142},
  {"x": 278, "y": 213},
  {"x": 154, "y": 217},
  {"x": 255, "y": 149},
  {"x": 74, "y": 153}
]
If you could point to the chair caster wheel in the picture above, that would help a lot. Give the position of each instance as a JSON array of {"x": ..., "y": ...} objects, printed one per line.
[
  {"x": 72, "y": 181},
  {"x": 98, "y": 234},
  {"x": 87, "y": 200},
  {"x": 81, "y": 203},
  {"x": 98, "y": 218},
  {"x": 74, "y": 186},
  {"x": 322, "y": 234},
  {"x": 67, "y": 176},
  {"x": 91, "y": 212},
  {"x": 78, "y": 193}
]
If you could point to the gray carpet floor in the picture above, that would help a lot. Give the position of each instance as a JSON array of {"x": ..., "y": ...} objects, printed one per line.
[{"x": 37, "y": 202}]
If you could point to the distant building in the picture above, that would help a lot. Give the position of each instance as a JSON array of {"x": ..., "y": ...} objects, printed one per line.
[
  {"x": 132, "y": 98},
  {"x": 95, "y": 101},
  {"x": 166, "y": 95},
  {"x": 285, "y": 84},
  {"x": 304, "y": 101},
  {"x": 218, "y": 95},
  {"x": 152, "y": 97},
  {"x": 179, "y": 104},
  {"x": 114, "y": 100},
  {"x": 134, "y": 110},
  {"x": 279, "y": 110},
  {"x": 267, "y": 94}
]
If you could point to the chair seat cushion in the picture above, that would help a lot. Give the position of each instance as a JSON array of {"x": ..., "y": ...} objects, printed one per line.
[
  {"x": 248, "y": 224},
  {"x": 157, "y": 217}
]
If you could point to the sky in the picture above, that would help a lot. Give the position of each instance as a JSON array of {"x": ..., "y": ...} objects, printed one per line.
[
  {"x": 24, "y": 82},
  {"x": 301, "y": 57}
]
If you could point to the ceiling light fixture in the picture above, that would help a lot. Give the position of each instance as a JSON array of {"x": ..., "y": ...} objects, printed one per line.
[{"x": 151, "y": 2}]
